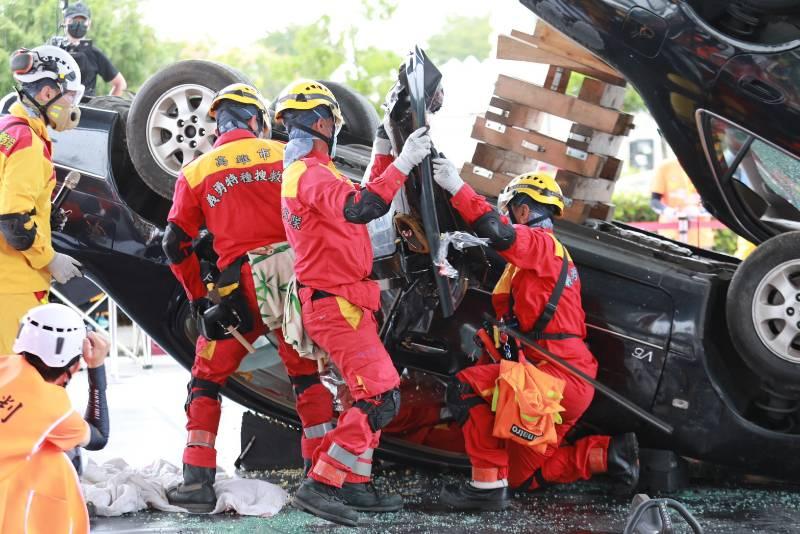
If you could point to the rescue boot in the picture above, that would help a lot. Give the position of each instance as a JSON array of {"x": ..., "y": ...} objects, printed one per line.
[
  {"x": 326, "y": 502},
  {"x": 623, "y": 462},
  {"x": 196, "y": 493},
  {"x": 465, "y": 496},
  {"x": 365, "y": 498}
]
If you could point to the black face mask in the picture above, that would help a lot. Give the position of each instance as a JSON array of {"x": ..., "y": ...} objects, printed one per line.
[{"x": 77, "y": 29}]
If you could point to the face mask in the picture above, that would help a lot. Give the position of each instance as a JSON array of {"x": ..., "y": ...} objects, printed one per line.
[
  {"x": 77, "y": 29},
  {"x": 62, "y": 113}
]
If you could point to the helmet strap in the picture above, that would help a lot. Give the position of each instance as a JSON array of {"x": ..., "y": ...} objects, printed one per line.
[
  {"x": 330, "y": 141},
  {"x": 41, "y": 108}
]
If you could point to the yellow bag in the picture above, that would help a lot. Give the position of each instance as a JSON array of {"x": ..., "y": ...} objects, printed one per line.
[{"x": 526, "y": 403}]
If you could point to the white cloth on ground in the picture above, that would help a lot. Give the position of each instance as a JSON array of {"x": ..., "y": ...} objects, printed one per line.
[{"x": 115, "y": 488}]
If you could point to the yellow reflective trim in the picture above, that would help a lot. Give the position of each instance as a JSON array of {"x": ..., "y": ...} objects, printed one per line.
[
  {"x": 495, "y": 397},
  {"x": 351, "y": 313},
  {"x": 207, "y": 352},
  {"x": 332, "y": 167},
  {"x": 291, "y": 178},
  {"x": 224, "y": 291},
  {"x": 529, "y": 418},
  {"x": 503, "y": 285}
]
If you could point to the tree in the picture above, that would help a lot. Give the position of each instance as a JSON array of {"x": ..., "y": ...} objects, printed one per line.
[
  {"x": 116, "y": 29},
  {"x": 461, "y": 37}
]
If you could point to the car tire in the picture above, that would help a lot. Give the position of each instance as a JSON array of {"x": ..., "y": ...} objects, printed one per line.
[
  {"x": 168, "y": 123},
  {"x": 774, "y": 7},
  {"x": 360, "y": 118},
  {"x": 763, "y": 311}
]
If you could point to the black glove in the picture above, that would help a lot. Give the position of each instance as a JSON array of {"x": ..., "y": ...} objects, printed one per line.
[{"x": 198, "y": 307}]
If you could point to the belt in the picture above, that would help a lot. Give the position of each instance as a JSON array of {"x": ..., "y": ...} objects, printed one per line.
[{"x": 316, "y": 294}]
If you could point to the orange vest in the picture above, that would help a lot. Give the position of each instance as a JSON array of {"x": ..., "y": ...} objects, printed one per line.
[
  {"x": 526, "y": 402},
  {"x": 39, "y": 488}
]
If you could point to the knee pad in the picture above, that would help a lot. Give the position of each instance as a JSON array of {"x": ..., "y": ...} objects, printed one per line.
[
  {"x": 197, "y": 387},
  {"x": 459, "y": 398},
  {"x": 380, "y": 409}
]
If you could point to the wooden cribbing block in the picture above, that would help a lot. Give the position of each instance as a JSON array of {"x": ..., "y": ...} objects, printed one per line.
[
  {"x": 512, "y": 114},
  {"x": 496, "y": 159},
  {"x": 515, "y": 49},
  {"x": 602, "y": 94},
  {"x": 537, "y": 146},
  {"x": 589, "y": 140},
  {"x": 484, "y": 181},
  {"x": 582, "y": 188},
  {"x": 557, "y": 78},
  {"x": 531, "y": 95},
  {"x": 602, "y": 210},
  {"x": 545, "y": 36},
  {"x": 577, "y": 212}
]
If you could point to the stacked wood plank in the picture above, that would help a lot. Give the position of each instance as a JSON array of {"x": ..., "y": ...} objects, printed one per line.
[{"x": 510, "y": 137}]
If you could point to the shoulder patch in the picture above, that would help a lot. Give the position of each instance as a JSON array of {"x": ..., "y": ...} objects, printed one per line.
[
  {"x": 291, "y": 178},
  {"x": 16, "y": 136}
]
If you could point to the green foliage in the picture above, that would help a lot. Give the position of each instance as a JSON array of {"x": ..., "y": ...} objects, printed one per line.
[
  {"x": 633, "y": 207},
  {"x": 460, "y": 38},
  {"x": 725, "y": 241},
  {"x": 116, "y": 29}
]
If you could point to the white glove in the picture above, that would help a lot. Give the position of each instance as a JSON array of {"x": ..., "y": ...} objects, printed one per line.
[
  {"x": 446, "y": 175},
  {"x": 416, "y": 147},
  {"x": 64, "y": 268}
]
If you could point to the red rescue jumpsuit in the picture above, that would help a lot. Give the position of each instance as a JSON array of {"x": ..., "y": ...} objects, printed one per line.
[
  {"x": 334, "y": 256},
  {"x": 234, "y": 191},
  {"x": 535, "y": 261}
]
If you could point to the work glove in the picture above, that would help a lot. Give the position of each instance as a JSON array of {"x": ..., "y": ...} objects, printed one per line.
[
  {"x": 416, "y": 147},
  {"x": 382, "y": 145},
  {"x": 197, "y": 307},
  {"x": 64, "y": 268},
  {"x": 446, "y": 175}
]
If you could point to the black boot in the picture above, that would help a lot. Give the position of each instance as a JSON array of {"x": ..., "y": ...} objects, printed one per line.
[
  {"x": 623, "y": 462},
  {"x": 196, "y": 493},
  {"x": 365, "y": 498},
  {"x": 325, "y": 501},
  {"x": 465, "y": 496}
]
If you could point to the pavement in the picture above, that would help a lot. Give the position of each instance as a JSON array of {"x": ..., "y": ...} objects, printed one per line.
[{"x": 147, "y": 421}]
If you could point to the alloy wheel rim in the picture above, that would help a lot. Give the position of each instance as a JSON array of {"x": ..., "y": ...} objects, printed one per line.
[{"x": 776, "y": 311}]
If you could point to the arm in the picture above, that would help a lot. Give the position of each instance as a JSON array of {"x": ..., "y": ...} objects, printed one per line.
[
  {"x": 95, "y": 350},
  {"x": 109, "y": 73},
  {"x": 23, "y": 230},
  {"x": 386, "y": 177},
  {"x": 184, "y": 221},
  {"x": 118, "y": 85}
]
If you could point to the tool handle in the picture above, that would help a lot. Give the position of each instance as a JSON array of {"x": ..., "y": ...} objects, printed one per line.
[{"x": 240, "y": 338}]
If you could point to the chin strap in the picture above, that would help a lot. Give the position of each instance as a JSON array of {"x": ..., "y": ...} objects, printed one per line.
[
  {"x": 41, "y": 108},
  {"x": 330, "y": 141}
]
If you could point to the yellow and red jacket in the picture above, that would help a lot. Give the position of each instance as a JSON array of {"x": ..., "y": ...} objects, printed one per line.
[
  {"x": 235, "y": 191},
  {"x": 27, "y": 179},
  {"x": 332, "y": 253},
  {"x": 535, "y": 260}
]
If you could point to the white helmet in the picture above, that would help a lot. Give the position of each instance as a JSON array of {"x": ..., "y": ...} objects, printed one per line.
[
  {"x": 53, "y": 332},
  {"x": 51, "y": 62}
]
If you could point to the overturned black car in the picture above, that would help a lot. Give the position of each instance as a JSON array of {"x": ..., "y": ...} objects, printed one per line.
[{"x": 680, "y": 332}]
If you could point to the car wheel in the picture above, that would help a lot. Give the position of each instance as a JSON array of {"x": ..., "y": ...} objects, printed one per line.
[
  {"x": 775, "y": 7},
  {"x": 360, "y": 118},
  {"x": 168, "y": 123},
  {"x": 763, "y": 311}
]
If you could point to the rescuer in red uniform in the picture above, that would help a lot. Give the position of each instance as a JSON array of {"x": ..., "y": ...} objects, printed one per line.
[
  {"x": 234, "y": 190},
  {"x": 325, "y": 216},
  {"x": 540, "y": 290}
]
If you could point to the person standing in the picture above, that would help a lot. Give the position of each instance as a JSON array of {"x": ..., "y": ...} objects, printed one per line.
[
  {"x": 49, "y": 91},
  {"x": 325, "y": 217},
  {"x": 234, "y": 191},
  {"x": 91, "y": 60}
]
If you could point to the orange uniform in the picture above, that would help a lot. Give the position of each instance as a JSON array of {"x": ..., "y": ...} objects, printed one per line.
[{"x": 39, "y": 489}]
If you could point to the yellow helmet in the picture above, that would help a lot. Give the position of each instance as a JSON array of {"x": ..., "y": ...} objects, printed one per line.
[
  {"x": 308, "y": 94},
  {"x": 241, "y": 93},
  {"x": 540, "y": 186}
]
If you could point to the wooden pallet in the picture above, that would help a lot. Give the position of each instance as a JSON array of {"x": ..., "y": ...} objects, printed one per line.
[{"x": 510, "y": 140}]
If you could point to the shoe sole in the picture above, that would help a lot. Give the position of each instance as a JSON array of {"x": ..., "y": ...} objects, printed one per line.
[
  {"x": 377, "y": 510},
  {"x": 476, "y": 506},
  {"x": 313, "y": 510},
  {"x": 197, "y": 508}
]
